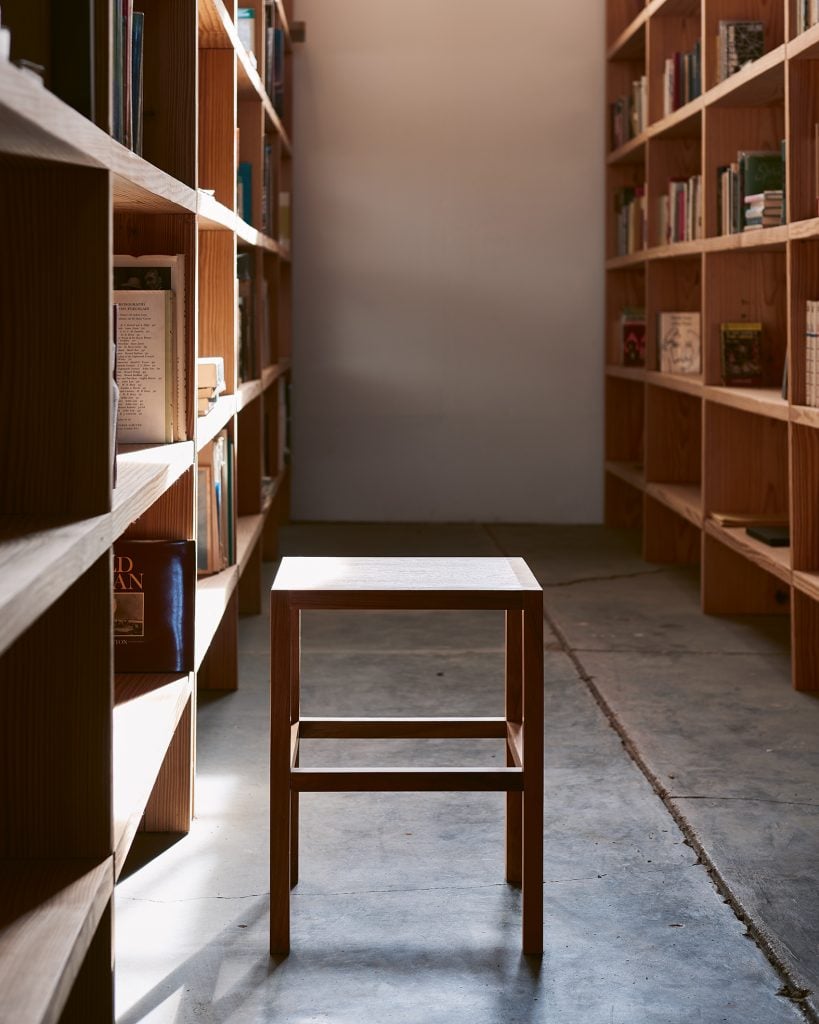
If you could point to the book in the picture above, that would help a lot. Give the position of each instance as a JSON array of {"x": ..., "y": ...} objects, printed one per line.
[
  {"x": 738, "y": 43},
  {"x": 245, "y": 317},
  {"x": 210, "y": 373},
  {"x": 161, "y": 272},
  {"x": 812, "y": 352},
  {"x": 154, "y": 591},
  {"x": 244, "y": 193},
  {"x": 246, "y": 28},
  {"x": 774, "y": 536},
  {"x": 679, "y": 342},
  {"x": 137, "y": 28},
  {"x": 145, "y": 367},
  {"x": 741, "y": 354},
  {"x": 735, "y": 519},
  {"x": 215, "y": 510},
  {"x": 633, "y": 337}
]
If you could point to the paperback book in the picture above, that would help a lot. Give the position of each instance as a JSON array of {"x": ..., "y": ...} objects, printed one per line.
[
  {"x": 738, "y": 43},
  {"x": 741, "y": 354},
  {"x": 215, "y": 508},
  {"x": 154, "y": 594},
  {"x": 679, "y": 342},
  {"x": 632, "y": 330}
]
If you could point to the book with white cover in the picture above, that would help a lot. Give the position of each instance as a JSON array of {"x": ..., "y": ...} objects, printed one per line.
[
  {"x": 678, "y": 342},
  {"x": 145, "y": 322}
]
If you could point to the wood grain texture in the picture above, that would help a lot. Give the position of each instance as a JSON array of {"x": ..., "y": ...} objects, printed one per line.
[
  {"x": 249, "y": 451},
  {"x": 623, "y": 502},
  {"x": 407, "y": 576},
  {"x": 280, "y": 721},
  {"x": 250, "y": 119},
  {"x": 216, "y": 28},
  {"x": 624, "y": 418},
  {"x": 218, "y": 641},
  {"x": 49, "y": 911},
  {"x": 154, "y": 499},
  {"x": 56, "y": 352},
  {"x": 804, "y": 454},
  {"x": 147, "y": 717},
  {"x": 670, "y": 158},
  {"x": 673, "y": 437},
  {"x": 776, "y": 561},
  {"x": 91, "y": 1000},
  {"x": 735, "y": 584},
  {"x": 672, "y": 286},
  {"x": 683, "y": 499},
  {"x": 217, "y": 124},
  {"x": 624, "y": 289},
  {"x": 217, "y": 302},
  {"x": 669, "y": 537},
  {"x": 39, "y": 561},
  {"x": 804, "y": 630},
  {"x": 55, "y": 709},
  {"x": 621, "y": 16},
  {"x": 170, "y": 805},
  {"x": 169, "y": 86},
  {"x": 402, "y": 728},
  {"x": 406, "y": 780},
  {"x": 745, "y": 462},
  {"x": 250, "y": 577}
]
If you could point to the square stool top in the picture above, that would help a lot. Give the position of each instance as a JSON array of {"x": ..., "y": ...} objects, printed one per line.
[{"x": 402, "y": 575}]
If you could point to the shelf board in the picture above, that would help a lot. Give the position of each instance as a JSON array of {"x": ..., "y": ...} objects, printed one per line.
[
  {"x": 629, "y": 472},
  {"x": 274, "y": 371},
  {"x": 761, "y": 401},
  {"x": 216, "y": 28},
  {"x": 756, "y": 85},
  {"x": 684, "y": 499},
  {"x": 674, "y": 250},
  {"x": 248, "y": 392},
  {"x": 805, "y": 46},
  {"x": 683, "y": 123},
  {"x": 631, "y": 152},
  {"x": 250, "y": 85},
  {"x": 213, "y": 593},
  {"x": 144, "y": 473},
  {"x": 689, "y": 385},
  {"x": 632, "y": 373},
  {"x": 807, "y": 582},
  {"x": 213, "y": 215},
  {"x": 631, "y": 42},
  {"x": 248, "y": 234},
  {"x": 773, "y": 560},
  {"x": 49, "y": 911},
  {"x": 146, "y": 713},
  {"x": 285, "y": 25},
  {"x": 248, "y": 531},
  {"x": 804, "y": 415},
  {"x": 765, "y": 238},
  {"x": 39, "y": 561},
  {"x": 802, "y": 229},
  {"x": 681, "y": 8},
  {"x": 633, "y": 259},
  {"x": 208, "y": 426}
]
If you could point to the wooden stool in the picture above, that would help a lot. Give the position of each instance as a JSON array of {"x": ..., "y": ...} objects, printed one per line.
[{"x": 410, "y": 583}]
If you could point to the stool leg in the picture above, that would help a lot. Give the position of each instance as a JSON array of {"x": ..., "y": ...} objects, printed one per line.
[
  {"x": 533, "y": 773},
  {"x": 280, "y": 662},
  {"x": 514, "y": 713},
  {"x": 295, "y": 679}
]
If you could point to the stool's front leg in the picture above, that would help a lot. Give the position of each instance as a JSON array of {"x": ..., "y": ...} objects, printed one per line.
[
  {"x": 533, "y": 773},
  {"x": 514, "y": 713},
  {"x": 280, "y": 682}
]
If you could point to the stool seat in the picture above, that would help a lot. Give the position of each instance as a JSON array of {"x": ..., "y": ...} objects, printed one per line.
[{"x": 505, "y": 584}]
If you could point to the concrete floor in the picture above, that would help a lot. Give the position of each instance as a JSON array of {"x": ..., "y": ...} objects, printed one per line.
[{"x": 401, "y": 914}]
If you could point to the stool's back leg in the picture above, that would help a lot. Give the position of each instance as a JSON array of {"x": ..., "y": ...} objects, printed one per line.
[
  {"x": 533, "y": 773},
  {"x": 514, "y": 713},
  {"x": 280, "y": 665}
]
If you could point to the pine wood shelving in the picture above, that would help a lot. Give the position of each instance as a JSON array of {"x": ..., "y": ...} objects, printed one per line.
[
  {"x": 89, "y": 757},
  {"x": 706, "y": 448}
]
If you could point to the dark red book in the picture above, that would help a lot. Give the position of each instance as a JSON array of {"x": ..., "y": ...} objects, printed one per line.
[{"x": 154, "y": 593}]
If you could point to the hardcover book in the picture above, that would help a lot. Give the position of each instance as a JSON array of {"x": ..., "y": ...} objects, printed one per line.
[
  {"x": 633, "y": 337},
  {"x": 741, "y": 354},
  {"x": 154, "y": 594},
  {"x": 678, "y": 342}
]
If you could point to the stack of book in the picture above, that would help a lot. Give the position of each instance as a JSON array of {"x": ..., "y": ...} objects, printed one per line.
[
  {"x": 630, "y": 211},
  {"x": 632, "y": 332},
  {"x": 216, "y": 528},
  {"x": 754, "y": 174},
  {"x": 812, "y": 353},
  {"x": 149, "y": 295},
  {"x": 678, "y": 342},
  {"x": 738, "y": 43},
  {"x": 680, "y": 213},
  {"x": 629, "y": 114},
  {"x": 807, "y": 14},
  {"x": 682, "y": 79},
  {"x": 210, "y": 382},
  {"x": 764, "y": 210}
]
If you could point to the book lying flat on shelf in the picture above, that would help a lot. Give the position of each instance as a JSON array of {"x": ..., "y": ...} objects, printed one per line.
[
  {"x": 160, "y": 274},
  {"x": 773, "y": 536},
  {"x": 678, "y": 342},
  {"x": 154, "y": 594},
  {"x": 735, "y": 519},
  {"x": 741, "y": 354}
]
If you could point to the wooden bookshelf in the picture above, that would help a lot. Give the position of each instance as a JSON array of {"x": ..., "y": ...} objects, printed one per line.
[
  {"x": 91, "y": 757},
  {"x": 682, "y": 449}
]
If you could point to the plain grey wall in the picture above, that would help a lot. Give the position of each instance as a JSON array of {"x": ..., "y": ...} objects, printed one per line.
[{"x": 448, "y": 260}]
